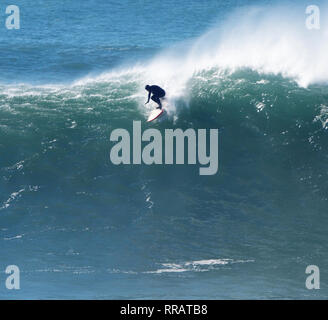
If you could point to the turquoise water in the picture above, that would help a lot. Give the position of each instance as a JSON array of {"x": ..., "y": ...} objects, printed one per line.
[{"x": 78, "y": 226}]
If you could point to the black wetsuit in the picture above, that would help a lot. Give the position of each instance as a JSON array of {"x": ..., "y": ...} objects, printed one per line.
[{"x": 157, "y": 92}]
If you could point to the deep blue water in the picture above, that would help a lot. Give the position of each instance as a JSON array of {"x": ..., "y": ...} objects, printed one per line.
[{"x": 78, "y": 226}]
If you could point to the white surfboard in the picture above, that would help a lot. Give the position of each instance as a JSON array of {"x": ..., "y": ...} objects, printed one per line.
[{"x": 155, "y": 114}]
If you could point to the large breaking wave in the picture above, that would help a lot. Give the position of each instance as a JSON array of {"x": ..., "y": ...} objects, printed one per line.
[{"x": 259, "y": 75}]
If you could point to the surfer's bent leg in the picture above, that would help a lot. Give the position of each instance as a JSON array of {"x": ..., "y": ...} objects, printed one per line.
[{"x": 157, "y": 100}]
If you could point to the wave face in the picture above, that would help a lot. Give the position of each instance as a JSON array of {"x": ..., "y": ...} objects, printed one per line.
[{"x": 259, "y": 79}]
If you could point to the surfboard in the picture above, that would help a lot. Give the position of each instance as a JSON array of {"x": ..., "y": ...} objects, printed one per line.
[{"x": 155, "y": 114}]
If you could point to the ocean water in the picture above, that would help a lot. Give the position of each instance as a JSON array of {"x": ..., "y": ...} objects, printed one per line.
[{"x": 79, "y": 227}]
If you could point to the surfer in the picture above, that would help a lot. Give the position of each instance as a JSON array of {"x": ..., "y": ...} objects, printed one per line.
[{"x": 157, "y": 92}]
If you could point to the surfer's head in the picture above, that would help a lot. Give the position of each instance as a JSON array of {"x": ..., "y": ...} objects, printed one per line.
[{"x": 147, "y": 87}]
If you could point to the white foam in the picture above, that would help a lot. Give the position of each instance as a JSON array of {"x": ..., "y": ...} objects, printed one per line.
[
  {"x": 209, "y": 262},
  {"x": 11, "y": 198},
  {"x": 195, "y": 266},
  {"x": 268, "y": 39}
]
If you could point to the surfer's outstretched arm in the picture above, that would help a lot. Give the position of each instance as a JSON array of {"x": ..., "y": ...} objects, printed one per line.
[{"x": 148, "y": 97}]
